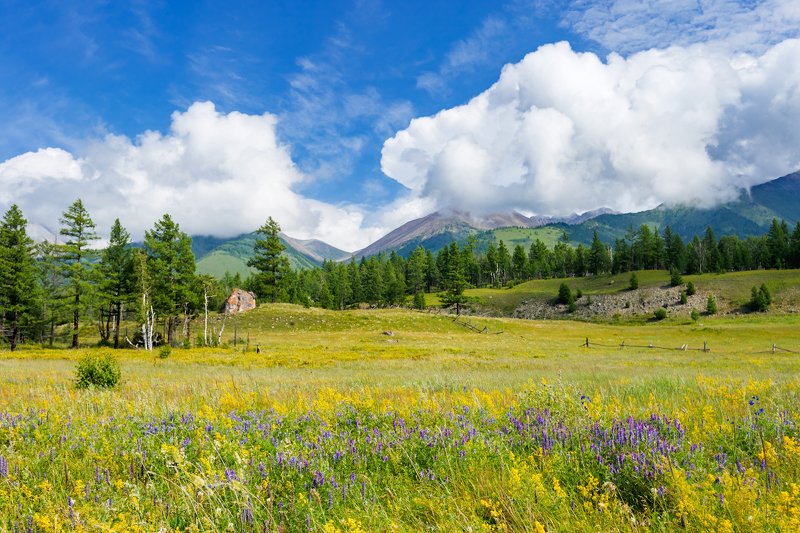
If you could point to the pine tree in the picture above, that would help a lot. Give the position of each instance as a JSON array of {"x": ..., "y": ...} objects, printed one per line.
[
  {"x": 415, "y": 270},
  {"x": 453, "y": 278},
  {"x": 76, "y": 258},
  {"x": 50, "y": 280},
  {"x": 17, "y": 275},
  {"x": 170, "y": 265},
  {"x": 599, "y": 260},
  {"x": 519, "y": 260},
  {"x": 269, "y": 261},
  {"x": 116, "y": 285}
]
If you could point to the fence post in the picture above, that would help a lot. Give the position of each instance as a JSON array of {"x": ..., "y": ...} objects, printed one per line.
[
  {"x": 587, "y": 342},
  {"x": 773, "y": 347},
  {"x": 705, "y": 346}
]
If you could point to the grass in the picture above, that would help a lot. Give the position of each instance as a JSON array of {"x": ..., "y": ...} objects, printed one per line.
[
  {"x": 336, "y": 425},
  {"x": 732, "y": 288},
  {"x": 527, "y": 236}
]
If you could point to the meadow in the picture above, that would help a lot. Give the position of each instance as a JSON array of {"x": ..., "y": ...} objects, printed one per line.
[{"x": 375, "y": 420}]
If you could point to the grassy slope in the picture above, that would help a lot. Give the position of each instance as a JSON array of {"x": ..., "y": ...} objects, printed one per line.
[
  {"x": 733, "y": 287},
  {"x": 232, "y": 256}
]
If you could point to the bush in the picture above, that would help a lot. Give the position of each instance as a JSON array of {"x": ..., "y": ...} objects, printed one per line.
[
  {"x": 571, "y": 307},
  {"x": 690, "y": 289},
  {"x": 634, "y": 282},
  {"x": 97, "y": 371},
  {"x": 660, "y": 313},
  {"x": 683, "y": 297},
  {"x": 695, "y": 315},
  {"x": 711, "y": 305},
  {"x": 578, "y": 294},
  {"x": 419, "y": 300},
  {"x": 675, "y": 277},
  {"x": 565, "y": 294},
  {"x": 760, "y": 299},
  {"x": 164, "y": 351}
]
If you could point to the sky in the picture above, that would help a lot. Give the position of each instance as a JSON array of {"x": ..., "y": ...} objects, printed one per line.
[{"x": 343, "y": 120}]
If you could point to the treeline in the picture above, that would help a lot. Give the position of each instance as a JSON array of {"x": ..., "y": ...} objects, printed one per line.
[
  {"x": 47, "y": 288},
  {"x": 389, "y": 279}
]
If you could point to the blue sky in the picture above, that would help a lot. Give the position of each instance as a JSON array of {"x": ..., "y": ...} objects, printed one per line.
[{"x": 303, "y": 110}]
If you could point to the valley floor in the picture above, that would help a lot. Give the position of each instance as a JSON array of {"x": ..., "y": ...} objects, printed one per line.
[{"x": 390, "y": 419}]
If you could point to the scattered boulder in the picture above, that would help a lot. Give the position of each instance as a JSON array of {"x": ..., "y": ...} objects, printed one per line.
[{"x": 240, "y": 301}]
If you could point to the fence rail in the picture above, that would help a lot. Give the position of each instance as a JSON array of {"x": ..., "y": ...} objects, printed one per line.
[{"x": 683, "y": 348}]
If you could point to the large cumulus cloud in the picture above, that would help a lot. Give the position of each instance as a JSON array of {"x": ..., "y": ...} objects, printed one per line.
[
  {"x": 215, "y": 173},
  {"x": 563, "y": 131}
]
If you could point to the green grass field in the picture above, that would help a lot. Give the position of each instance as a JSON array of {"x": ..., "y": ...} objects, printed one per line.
[
  {"x": 337, "y": 426},
  {"x": 732, "y": 288}
]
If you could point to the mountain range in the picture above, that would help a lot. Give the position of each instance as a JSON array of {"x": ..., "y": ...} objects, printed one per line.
[{"x": 749, "y": 215}]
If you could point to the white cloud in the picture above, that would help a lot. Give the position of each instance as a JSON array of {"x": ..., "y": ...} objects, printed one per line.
[
  {"x": 219, "y": 174},
  {"x": 563, "y": 131},
  {"x": 737, "y": 25}
]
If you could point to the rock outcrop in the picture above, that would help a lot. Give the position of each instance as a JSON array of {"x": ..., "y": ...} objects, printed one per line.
[{"x": 240, "y": 301}]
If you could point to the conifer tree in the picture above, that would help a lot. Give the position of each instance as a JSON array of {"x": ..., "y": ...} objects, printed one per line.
[
  {"x": 76, "y": 258},
  {"x": 116, "y": 285},
  {"x": 170, "y": 265},
  {"x": 599, "y": 260},
  {"x": 17, "y": 275},
  {"x": 269, "y": 261}
]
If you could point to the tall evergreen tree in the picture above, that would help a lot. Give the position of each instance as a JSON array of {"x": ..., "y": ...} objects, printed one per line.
[
  {"x": 50, "y": 280},
  {"x": 269, "y": 261},
  {"x": 76, "y": 258},
  {"x": 599, "y": 260},
  {"x": 415, "y": 270},
  {"x": 519, "y": 262},
  {"x": 170, "y": 265},
  {"x": 794, "y": 248},
  {"x": 17, "y": 275},
  {"x": 453, "y": 277},
  {"x": 116, "y": 282}
]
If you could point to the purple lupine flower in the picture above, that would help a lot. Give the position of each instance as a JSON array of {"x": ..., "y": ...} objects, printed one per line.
[{"x": 3, "y": 467}]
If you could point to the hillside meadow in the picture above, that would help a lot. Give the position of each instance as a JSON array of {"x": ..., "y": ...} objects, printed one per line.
[{"x": 370, "y": 420}]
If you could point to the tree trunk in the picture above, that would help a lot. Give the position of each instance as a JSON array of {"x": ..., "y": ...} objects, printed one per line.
[
  {"x": 117, "y": 320},
  {"x": 14, "y": 332},
  {"x": 75, "y": 316},
  {"x": 205, "y": 320}
]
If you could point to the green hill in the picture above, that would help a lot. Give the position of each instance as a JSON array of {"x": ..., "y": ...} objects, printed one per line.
[{"x": 218, "y": 256}]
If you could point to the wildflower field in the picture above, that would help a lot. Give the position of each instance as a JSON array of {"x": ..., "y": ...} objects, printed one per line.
[{"x": 336, "y": 426}]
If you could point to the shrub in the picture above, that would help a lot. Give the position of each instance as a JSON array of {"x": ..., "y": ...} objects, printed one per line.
[
  {"x": 690, "y": 289},
  {"x": 711, "y": 305},
  {"x": 565, "y": 294},
  {"x": 164, "y": 351},
  {"x": 97, "y": 371},
  {"x": 683, "y": 297},
  {"x": 578, "y": 294},
  {"x": 675, "y": 277},
  {"x": 634, "y": 282},
  {"x": 660, "y": 313},
  {"x": 571, "y": 307},
  {"x": 760, "y": 299},
  {"x": 419, "y": 300},
  {"x": 695, "y": 315}
]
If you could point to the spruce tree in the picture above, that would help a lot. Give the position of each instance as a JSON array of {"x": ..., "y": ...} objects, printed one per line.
[
  {"x": 599, "y": 260},
  {"x": 116, "y": 279},
  {"x": 76, "y": 259},
  {"x": 17, "y": 275},
  {"x": 170, "y": 265},
  {"x": 269, "y": 261}
]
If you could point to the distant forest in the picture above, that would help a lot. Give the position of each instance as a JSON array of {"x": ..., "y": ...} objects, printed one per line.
[{"x": 47, "y": 289}]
